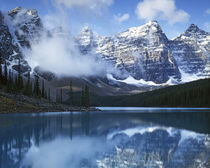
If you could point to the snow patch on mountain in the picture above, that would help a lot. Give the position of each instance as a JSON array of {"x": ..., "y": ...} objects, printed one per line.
[
  {"x": 132, "y": 81},
  {"x": 187, "y": 77}
]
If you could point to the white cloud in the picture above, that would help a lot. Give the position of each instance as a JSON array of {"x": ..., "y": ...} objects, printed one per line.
[
  {"x": 88, "y": 4},
  {"x": 162, "y": 10},
  {"x": 207, "y": 26},
  {"x": 121, "y": 18},
  {"x": 59, "y": 54},
  {"x": 207, "y": 11}
]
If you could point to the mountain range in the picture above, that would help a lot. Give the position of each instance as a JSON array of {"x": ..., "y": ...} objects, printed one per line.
[{"x": 143, "y": 56}]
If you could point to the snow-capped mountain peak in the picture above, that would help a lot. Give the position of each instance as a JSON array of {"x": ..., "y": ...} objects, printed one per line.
[
  {"x": 19, "y": 15},
  {"x": 86, "y": 29},
  {"x": 193, "y": 33},
  {"x": 193, "y": 29},
  {"x": 85, "y": 36},
  {"x": 26, "y": 25},
  {"x": 150, "y": 28}
]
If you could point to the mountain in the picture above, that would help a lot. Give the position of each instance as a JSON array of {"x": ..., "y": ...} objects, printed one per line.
[
  {"x": 141, "y": 52},
  {"x": 143, "y": 57},
  {"x": 146, "y": 53},
  {"x": 191, "y": 51},
  {"x": 26, "y": 25},
  {"x": 19, "y": 27}
]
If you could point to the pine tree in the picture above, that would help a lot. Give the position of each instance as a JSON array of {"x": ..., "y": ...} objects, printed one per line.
[
  {"x": 9, "y": 83},
  {"x": 16, "y": 84},
  {"x": 28, "y": 79},
  {"x": 28, "y": 87},
  {"x": 43, "y": 89},
  {"x": 10, "y": 77},
  {"x": 1, "y": 76},
  {"x": 83, "y": 98},
  {"x": 70, "y": 94},
  {"x": 87, "y": 96},
  {"x": 56, "y": 96},
  {"x": 45, "y": 94},
  {"x": 61, "y": 95},
  {"x": 48, "y": 94},
  {"x": 29, "y": 84},
  {"x": 20, "y": 79},
  {"x": 5, "y": 73},
  {"x": 36, "y": 86}
]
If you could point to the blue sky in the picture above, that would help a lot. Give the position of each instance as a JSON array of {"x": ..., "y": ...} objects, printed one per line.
[{"x": 108, "y": 17}]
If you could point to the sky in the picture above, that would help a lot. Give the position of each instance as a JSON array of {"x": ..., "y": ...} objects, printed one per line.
[{"x": 109, "y": 17}]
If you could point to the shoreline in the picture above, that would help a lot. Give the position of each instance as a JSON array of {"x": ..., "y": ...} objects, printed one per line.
[
  {"x": 73, "y": 109},
  {"x": 18, "y": 103}
]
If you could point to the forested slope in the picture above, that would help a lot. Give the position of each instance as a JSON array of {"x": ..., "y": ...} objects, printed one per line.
[{"x": 193, "y": 94}]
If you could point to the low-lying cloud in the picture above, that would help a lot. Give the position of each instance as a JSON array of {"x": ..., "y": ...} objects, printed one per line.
[
  {"x": 60, "y": 55},
  {"x": 162, "y": 10}
]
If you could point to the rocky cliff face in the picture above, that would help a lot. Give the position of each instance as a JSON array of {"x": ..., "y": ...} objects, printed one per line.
[
  {"x": 18, "y": 28},
  {"x": 146, "y": 53},
  {"x": 6, "y": 40},
  {"x": 26, "y": 24},
  {"x": 191, "y": 50},
  {"x": 141, "y": 52}
]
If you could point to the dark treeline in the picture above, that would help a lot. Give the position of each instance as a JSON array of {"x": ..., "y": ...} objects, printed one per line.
[
  {"x": 85, "y": 97},
  {"x": 193, "y": 94},
  {"x": 17, "y": 83}
]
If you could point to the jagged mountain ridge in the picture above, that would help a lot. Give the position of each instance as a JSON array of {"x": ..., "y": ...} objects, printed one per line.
[
  {"x": 146, "y": 53},
  {"x": 141, "y": 53},
  {"x": 195, "y": 46}
]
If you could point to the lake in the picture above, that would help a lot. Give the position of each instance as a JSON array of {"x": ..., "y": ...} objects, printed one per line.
[{"x": 114, "y": 137}]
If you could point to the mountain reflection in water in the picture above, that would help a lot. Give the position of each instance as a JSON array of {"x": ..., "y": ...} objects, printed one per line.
[{"x": 105, "y": 139}]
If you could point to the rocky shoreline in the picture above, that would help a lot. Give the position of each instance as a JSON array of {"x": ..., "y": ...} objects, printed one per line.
[{"x": 18, "y": 103}]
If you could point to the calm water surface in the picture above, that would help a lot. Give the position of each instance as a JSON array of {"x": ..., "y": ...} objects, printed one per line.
[{"x": 115, "y": 137}]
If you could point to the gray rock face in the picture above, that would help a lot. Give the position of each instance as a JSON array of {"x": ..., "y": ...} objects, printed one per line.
[
  {"x": 141, "y": 52},
  {"x": 8, "y": 50},
  {"x": 18, "y": 29},
  {"x": 27, "y": 25},
  {"x": 191, "y": 50},
  {"x": 146, "y": 53},
  {"x": 5, "y": 39},
  {"x": 86, "y": 40}
]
